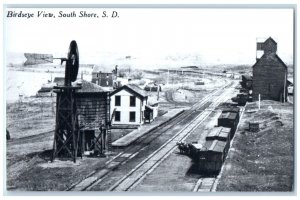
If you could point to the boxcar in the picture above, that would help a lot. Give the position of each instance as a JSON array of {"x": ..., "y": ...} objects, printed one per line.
[
  {"x": 232, "y": 110},
  {"x": 219, "y": 133},
  {"x": 209, "y": 157},
  {"x": 229, "y": 120},
  {"x": 247, "y": 82}
]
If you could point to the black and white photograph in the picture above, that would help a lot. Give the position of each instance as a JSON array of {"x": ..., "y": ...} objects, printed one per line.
[{"x": 146, "y": 99}]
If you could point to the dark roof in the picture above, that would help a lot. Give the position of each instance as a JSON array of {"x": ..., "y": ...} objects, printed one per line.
[
  {"x": 228, "y": 115},
  {"x": 269, "y": 57},
  {"x": 103, "y": 69},
  {"x": 59, "y": 80},
  {"x": 270, "y": 39},
  {"x": 231, "y": 109},
  {"x": 134, "y": 89},
  {"x": 219, "y": 133},
  {"x": 247, "y": 77},
  {"x": 88, "y": 87},
  {"x": 147, "y": 107},
  {"x": 215, "y": 145}
]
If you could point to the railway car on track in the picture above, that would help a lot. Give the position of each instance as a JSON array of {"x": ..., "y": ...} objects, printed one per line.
[
  {"x": 247, "y": 82},
  {"x": 232, "y": 110},
  {"x": 209, "y": 157},
  {"x": 229, "y": 120},
  {"x": 219, "y": 133}
]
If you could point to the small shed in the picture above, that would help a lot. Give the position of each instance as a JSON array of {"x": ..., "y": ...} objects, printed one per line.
[{"x": 150, "y": 112}]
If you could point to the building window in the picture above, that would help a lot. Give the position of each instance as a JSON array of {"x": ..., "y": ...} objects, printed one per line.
[
  {"x": 117, "y": 100},
  {"x": 132, "y": 116},
  {"x": 132, "y": 101},
  {"x": 117, "y": 116},
  {"x": 107, "y": 83}
]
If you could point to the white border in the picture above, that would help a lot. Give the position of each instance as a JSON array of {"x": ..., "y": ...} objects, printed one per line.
[{"x": 174, "y": 195}]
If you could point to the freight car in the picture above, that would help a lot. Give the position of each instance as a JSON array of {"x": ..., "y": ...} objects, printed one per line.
[
  {"x": 210, "y": 156},
  {"x": 242, "y": 99},
  {"x": 219, "y": 133},
  {"x": 229, "y": 120},
  {"x": 247, "y": 82},
  {"x": 232, "y": 110}
]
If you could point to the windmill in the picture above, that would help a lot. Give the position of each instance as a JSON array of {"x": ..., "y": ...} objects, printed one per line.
[{"x": 66, "y": 136}]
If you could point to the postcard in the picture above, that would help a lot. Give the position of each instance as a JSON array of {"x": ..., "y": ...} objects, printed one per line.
[{"x": 157, "y": 98}]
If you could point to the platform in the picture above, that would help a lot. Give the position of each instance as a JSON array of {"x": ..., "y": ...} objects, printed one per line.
[{"x": 145, "y": 128}]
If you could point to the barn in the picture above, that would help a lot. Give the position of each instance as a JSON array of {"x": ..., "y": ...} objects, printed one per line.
[{"x": 269, "y": 74}]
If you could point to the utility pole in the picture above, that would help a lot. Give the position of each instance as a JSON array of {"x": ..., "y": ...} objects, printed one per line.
[
  {"x": 258, "y": 101},
  {"x": 284, "y": 85}
]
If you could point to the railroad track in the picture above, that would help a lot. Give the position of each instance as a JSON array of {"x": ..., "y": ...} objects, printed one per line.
[
  {"x": 136, "y": 175},
  {"x": 209, "y": 184},
  {"x": 97, "y": 177},
  {"x": 204, "y": 185}
]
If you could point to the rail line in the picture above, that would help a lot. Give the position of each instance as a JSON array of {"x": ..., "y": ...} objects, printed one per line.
[
  {"x": 96, "y": 177},
  {"x": 136, "y": 175},
  {"x": 209, "y": 184}
]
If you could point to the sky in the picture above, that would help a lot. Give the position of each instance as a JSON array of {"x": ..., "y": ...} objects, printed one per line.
[{"x": 154, "y": 36}]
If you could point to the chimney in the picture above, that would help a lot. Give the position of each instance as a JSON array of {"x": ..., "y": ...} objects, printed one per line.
[{"x": 116, "y": 70}]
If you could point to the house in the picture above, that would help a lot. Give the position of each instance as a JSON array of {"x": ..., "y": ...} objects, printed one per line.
[
  {"x": 128, "y": 104},
  {"x": 152, "y": 87},
  {"x": 269, "y": 74},
  {"x": 104, "y": 76}
]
